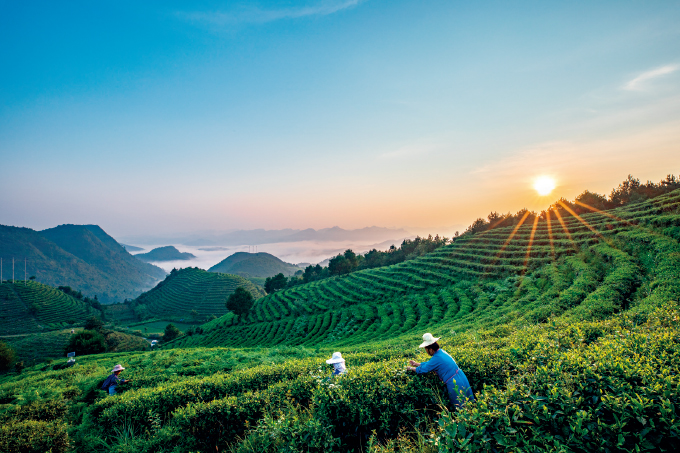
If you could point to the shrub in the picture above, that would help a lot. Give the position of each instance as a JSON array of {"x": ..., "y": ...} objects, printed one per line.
[
  {"x": 7, "y": 356},
  {"x": 86, "y": 342},
  {"x": 171, "y": 332},
  {"x": 33, "y": 436}
]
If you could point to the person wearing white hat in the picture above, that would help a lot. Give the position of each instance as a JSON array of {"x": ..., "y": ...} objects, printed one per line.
[
  {"x": 338, "y": 364},
  {"x": 112, "y": 381},
  {"x": 446, "y": 368}
]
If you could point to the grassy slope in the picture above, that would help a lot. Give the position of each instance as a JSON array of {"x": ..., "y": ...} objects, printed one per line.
[
  {"x": 254, "y": 265},
  {"x": 193, "y": 289},
  {"x": 572, "y": 349},
  {"x": 31, "y": 307}
]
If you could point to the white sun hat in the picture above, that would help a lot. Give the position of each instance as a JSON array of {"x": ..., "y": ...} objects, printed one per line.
[
  {"x": 336, "y": 358},
  {"x": 117, "y": 368},
  {"x": 428, "y": 339}
]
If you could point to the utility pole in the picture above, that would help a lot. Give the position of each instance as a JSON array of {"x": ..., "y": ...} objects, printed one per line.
[
  {"x": 24, "y": 271},
  {"x": 0, "y": 270},
  {"x": 12, "y": 270}
]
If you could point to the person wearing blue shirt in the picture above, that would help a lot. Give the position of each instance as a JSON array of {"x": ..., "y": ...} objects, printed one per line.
[
  {"x": 112, "y": 381},
  {"x": 446, "y": 368}
]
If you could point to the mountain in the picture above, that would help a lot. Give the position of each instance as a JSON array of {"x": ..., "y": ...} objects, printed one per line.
[
  {"x": 83, "y": 257},
  {"x": 132, "y": 248},
  {"x": 260, "y": 236},
  {"x": 167, "y": 253},
  {"x": 254, "y": 265},
  {"x": 337, "y": 234},
  {"x": 190, "y": 289}
]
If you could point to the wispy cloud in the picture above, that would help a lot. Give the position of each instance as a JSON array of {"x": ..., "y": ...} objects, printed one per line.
[
  {"x": 637, "y": 82},
  {"x": 411, "y": 150},
  {"x": 255, "y": 15}
]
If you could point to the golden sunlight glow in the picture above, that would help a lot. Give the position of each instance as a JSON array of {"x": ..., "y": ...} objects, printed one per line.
[{"x": 544, "y": 185}]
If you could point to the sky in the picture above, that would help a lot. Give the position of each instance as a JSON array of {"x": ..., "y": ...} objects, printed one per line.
[{"x": 169, "y": 117}]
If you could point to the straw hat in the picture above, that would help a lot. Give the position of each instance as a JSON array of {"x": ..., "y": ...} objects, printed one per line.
[
  {"x": 117, "y": 368},
  {"x": 428, "y": 339},
  {"x": 336, "y": 358}
]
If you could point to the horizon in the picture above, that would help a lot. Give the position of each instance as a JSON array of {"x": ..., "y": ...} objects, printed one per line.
[{"x": 168, "y": 119}]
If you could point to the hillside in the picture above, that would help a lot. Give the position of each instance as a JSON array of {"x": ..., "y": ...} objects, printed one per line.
[
  {"x": 190, "y": 289},
  {"x": 254, "y": 265},
  {"x": 167, "y": 253},
  {"x": 31, "y": 307},
  {"x": 578, "y": 267},
  {"x": 83, "y": 257},
  {"x": 566, "y": 326}
]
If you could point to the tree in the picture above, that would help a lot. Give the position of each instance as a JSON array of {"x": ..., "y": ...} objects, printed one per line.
[
  {"x": 93, "y": 323},
  {"x": 86, "y": 342},
  {"x": 240, "y": 301},
  {"x": 7, "y": 356},
  {"x": 171, "y": 332},
  {"x": 275, "y": 283},
  {"x": 194, "y": 314}
]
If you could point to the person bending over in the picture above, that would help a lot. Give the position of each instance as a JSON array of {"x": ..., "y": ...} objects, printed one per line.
[
  {"x": 446, "y": 368},
  {"x": 112, "y": 381}
]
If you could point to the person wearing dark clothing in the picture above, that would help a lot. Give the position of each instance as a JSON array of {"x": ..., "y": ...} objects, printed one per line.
[
  {"x": 112, "y": 381},
  {"x": 446, "y": 368}
]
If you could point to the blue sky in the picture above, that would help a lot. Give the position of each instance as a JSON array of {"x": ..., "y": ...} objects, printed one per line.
[{"x": 183, "y": 116}]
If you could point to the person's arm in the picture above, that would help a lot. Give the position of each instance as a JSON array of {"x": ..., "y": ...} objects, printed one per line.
[{"x": 430, "y": 365}]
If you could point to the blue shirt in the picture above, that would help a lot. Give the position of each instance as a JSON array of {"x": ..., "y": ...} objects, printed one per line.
[
  {"x": 111, "y": 380},
  {"x": 441, "y": 363},
  {"x": 456, "y": 382}
]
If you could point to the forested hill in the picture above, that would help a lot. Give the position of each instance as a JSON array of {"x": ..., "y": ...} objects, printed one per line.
[
  {"x": 167, "y": 253},
  {"x": 254, "y": 265},
  {"x": 83, "y": 257}
]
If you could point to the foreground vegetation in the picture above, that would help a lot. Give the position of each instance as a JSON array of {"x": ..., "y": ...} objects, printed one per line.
[{"x": 567, "y": 326}]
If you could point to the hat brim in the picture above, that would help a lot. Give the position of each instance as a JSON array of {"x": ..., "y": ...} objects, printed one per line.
[
  {"x": 425, "y": 344},
  {"x": 332, "y": 361}
]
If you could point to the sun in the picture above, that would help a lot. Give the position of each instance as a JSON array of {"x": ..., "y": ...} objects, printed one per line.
[{"x": 544, "y": 185}]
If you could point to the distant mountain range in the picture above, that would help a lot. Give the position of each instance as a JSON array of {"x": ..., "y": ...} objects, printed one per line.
[
  {"x": 254, "y": 265},
  {"x": 256, "y": 237},
  {"x": 81, "y": 256},
  {"x": 167, "y": 253}
]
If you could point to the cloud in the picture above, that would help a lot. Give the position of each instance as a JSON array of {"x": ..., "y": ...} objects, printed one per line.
[
  {"x": 411, "y": 150},
  {"x": 254, "y": 15},
  {"x": 635, "y": 84}
]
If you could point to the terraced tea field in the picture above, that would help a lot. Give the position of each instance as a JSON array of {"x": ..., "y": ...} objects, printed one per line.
[
  {"x": 521, "y": 275},
  {"x": 566, "y": 328},
  {"x": 31, "y": 307},
  {"x": 192, "y": 289}
]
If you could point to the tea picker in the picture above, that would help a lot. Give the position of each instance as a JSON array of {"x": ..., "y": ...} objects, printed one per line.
[
  {"x": 338, "y": 364},
  {"x": 446, "y": 368},
  {"x": 114, "y": 380}
]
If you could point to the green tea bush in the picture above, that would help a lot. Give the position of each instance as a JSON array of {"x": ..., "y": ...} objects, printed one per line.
[
  {"x": 378, "y": 397},
  {"x": 32, "y": 436},
  {"x": 621, "y": 393}
]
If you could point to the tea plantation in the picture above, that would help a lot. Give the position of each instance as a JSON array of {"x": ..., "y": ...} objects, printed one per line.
[
  {"x": 31, "y": 307},
  {"x": 190, "y": 289},
  {"x": 566, "y": 326}
]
